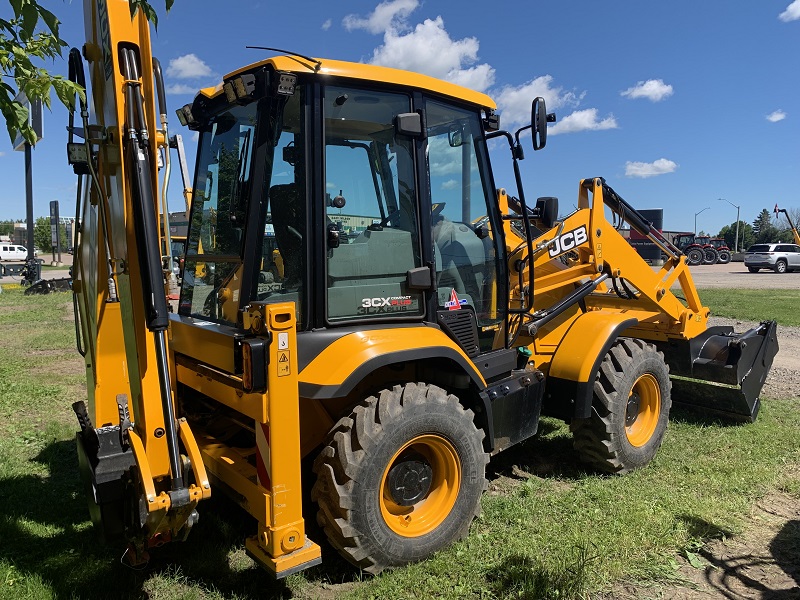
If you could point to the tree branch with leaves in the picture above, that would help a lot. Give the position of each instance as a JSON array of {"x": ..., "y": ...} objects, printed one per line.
[{"x": 27, "y": 39}]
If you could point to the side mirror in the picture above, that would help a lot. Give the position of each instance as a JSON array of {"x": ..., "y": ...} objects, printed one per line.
[{"x": 539, "y": 123}]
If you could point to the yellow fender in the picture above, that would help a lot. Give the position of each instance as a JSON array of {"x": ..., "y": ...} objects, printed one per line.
[
  {"x": 340, "y": 366},
  {"x": 572, "y": 371}
]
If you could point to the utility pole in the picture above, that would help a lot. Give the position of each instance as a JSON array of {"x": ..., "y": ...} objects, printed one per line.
[
  {"x": 695, "y": 218},
  {"x": 735, "y": 241}
]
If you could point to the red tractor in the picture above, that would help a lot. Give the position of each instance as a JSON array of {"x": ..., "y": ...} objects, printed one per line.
[
  {"x": 697, "y": 249},
  {"x": 723, "y": 252}
]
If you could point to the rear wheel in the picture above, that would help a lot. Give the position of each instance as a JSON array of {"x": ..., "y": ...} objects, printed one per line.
[
  {"x": 724, "y": 256},
  {"x": 780, "y": 266},
  {"x": 630, "y": 409},
  {"x": 694, "y": 256},
  {"x": 710, "y": 256},
  {"x": 753, "y": 269},
  {"x": 401, "y": 477}
]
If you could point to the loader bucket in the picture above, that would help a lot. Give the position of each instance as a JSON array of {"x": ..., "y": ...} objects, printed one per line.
[{"x": 720, "y": 372}]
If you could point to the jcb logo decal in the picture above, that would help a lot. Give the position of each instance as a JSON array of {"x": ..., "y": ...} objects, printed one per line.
[
  {"x": 568, "y": 241},
  {"x": 105, "y": 38}
]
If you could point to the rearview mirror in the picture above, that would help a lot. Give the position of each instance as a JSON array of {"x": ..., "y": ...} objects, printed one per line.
[{"x": 539, "y": 123}]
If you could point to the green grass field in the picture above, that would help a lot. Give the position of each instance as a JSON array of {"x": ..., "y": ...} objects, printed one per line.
[{"x": 548, "y": 528}]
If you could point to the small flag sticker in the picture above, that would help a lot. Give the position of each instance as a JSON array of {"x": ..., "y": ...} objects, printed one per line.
[{"x": 455, "y": 302}]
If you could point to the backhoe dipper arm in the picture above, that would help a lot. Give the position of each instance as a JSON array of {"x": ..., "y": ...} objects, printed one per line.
[{"x": 122, "y": 300}]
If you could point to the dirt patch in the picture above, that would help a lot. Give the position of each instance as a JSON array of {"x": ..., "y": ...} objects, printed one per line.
[
  {"x": 65, "y": 367},
  {"x": 761, "y": 563}
]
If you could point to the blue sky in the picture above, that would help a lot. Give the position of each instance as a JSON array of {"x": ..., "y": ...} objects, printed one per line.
[{"x": 676, "y": 104}]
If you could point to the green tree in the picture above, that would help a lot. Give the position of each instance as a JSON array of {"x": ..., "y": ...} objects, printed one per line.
[
  {"x": 746, "y": 235},
  {"x": 7, "y": 228},
  {"x": 29, "y": 37},
  {"x": 42, "y": 235},
  {"x": 763, "y": 229}
]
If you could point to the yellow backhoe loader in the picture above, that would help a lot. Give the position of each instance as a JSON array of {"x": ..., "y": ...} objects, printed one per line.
[{"x": 365, "y": 316}]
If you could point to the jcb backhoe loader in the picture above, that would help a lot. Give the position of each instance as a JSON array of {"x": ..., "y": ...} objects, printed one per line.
[{"x": 360, "y": 296}]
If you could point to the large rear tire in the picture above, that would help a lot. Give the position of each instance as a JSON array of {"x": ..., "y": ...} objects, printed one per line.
[
  {"x": 710, "y": 256},
  {"x": 630, "y": 409},
  {"x": 400, "y": 478},
  {"x": 694, "y": 256}
]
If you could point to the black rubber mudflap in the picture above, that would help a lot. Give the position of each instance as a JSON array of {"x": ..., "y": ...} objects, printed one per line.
[{"x": 721, "y": 372}]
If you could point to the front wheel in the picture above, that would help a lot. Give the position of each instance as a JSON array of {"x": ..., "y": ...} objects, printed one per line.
[
  {"x": 400, "y": 478},
  {"x": 780, "y": 266},
  {"x": 724, "y": 257},
  {"x": 630, "y": 409}
]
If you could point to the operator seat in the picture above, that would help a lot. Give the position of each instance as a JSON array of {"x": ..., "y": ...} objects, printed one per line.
[
  {"x": 288, "y": 209},
  {"x": 457, "y": 270}
]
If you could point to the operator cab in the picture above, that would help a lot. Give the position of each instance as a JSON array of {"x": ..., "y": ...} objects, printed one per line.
[{"x": 362, "y": 202}]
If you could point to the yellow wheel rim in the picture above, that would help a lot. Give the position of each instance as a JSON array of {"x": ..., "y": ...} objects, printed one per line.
[
  {"x": 643, "y": 410},
  {"x": 427, "y": 471}
]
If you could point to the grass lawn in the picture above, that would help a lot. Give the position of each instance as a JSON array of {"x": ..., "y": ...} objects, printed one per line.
[{"x": 548, "y": 528}]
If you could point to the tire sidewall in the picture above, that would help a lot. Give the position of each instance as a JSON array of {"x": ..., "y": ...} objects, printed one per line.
[
  {"x": 419, "y": 419},
  {"x": 695, "y": 252},
  {"x": 780, "y": 267},
  {"x": 640, "y": 456}
]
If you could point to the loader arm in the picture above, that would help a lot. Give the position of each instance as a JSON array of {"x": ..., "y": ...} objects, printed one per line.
[{"x": 584, "y": 267}]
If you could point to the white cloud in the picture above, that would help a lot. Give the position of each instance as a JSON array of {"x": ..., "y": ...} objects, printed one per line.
[
  {"x": 792, "y": 12},
  {"x": 450, "y": 184},
  {"x": 2, "y": 153},
  {"x": 583, "y": 120},
  {"x": 652, "y": 89},
  {"x": 188, "y": 66},
  {"x": 514, "y": 102},
  {"x": 777, "y": 115},
  {"x": 327, "y": 25},
  {"x": 643, "y": 169},
  {"x": 429, "y": 49},
  {"x": 387, "y": 15},
  {"x": 181, "y": 89}
]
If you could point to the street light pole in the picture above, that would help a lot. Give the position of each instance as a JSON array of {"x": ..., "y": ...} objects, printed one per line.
[
  {"x": 695, "y": 218},
  {"x": 736, "y": 241}
]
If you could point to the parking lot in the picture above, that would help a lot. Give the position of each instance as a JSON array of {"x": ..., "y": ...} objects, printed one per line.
[{"x": 736, "y": 275}]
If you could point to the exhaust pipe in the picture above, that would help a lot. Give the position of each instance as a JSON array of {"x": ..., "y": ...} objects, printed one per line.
[{"x": 721, "y": 372}]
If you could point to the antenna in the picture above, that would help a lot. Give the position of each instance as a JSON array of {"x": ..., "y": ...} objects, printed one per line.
[{"x": 317, "y": 63}]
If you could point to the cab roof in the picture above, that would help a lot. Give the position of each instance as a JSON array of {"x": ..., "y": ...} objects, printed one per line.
[{"x": 360, "y": 71}]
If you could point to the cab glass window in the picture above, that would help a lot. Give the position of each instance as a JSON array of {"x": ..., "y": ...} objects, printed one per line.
[{"x": 212, "y": 270}]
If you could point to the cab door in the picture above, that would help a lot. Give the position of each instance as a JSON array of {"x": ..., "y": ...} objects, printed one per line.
[
  {"x": 372, "y": 233},
  {"x": 466, "y": 234}
]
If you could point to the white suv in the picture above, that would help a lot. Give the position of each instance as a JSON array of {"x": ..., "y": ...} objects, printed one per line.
[{"x": 777, "y": 257}]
